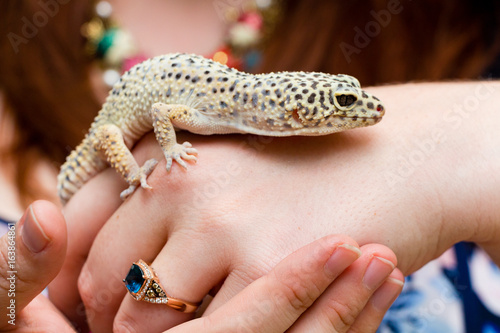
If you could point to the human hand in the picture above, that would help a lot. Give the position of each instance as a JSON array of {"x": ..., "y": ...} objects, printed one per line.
[
  {"x": 282, "y": 300},
  {"x": 237, "y": 219},
  {"x": 39, "y": 239}
]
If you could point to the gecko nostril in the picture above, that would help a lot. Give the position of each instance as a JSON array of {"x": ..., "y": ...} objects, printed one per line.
[{"x": 380, "y": 108}]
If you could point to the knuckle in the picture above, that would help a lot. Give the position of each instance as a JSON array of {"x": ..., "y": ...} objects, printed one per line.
[
  {"x": 124, "y": 323},
  {"x": 340, "y": 315},
  {"x": 119, "y": 327},
  {"x": 86, "y": 291},
  {"x": 300, "y": 294}
]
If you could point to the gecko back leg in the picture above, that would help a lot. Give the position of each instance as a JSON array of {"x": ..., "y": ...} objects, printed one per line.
[{"x": 108, "y": 139}]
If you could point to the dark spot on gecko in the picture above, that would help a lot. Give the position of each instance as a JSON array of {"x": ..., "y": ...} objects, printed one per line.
[
  {"x": 270, "y": 122},
  {"x": 375, "y": 98},
  {"x": 236, "y": 96},
  {"x": 266, "y": 92},
  {"x": 359, "y": 102},
  {"x": 163, "y": 76},
  {"x": 340, "y": 85},
  {"x": 311, "y": 98},
  {"x": 305, "y": 91},
  {"x": 182, "y": 91},
  {"x": 303, "y": 84},
  {"x": 170, "y": 74},
  {"x": 178, "y": 76},
  {"x": 245, "y": 98},
  {"x": 298, "y": 97},
  {"x": 278, "y": 93},
  {"x": 272, "y": 103},
  {"x": 329, "y": 125},
  {"x": 225, "y": 79},
  {"x": 327, "y": 85},
  {"x": 369, "y": 105},
  {"x": 169, "y": 92},
  {"x": 364, "y": 95},
  {"x": 223, "y": 104},
  {"x": 263, "y": 106},
  {"x": 355, "y": 118},
  {"x": 207, "y": 72},
  {"x": 222, "y": 89},
  {"x": 282, "y": 104},
  {"x": 255, "y": 99},
  {"x": 174, "y": 64},
  {"x": 185, "y": 112},
  {"x": 214, "y": 90},
  {"x": 209, "y": 80},
  {"x": 254, "y": 118},
  {"x": 315, "y": 111},
  {"x": 314, "y": 85},
  {"x": 363, "y": 111},
  {"x": 294, "y": 89},
  {"x": 195, "y": 79},
  {"x": 188, "y": 77},
  {"x": 330, "y": 96},
  {"x": 258, "y": 84}
]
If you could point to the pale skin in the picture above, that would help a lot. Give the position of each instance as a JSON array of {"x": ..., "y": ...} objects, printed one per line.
[
  {"x": 423, "y": 179},
  {"x": 325, "y": 269}
]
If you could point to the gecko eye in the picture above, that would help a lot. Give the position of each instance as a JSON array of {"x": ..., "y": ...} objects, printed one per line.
[{"x": 345, "y": 100}]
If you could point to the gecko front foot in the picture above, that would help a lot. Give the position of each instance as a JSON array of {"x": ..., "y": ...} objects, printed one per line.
[
  {"x": 139, "y": 178},
  {"x": 179, "y": 153}
]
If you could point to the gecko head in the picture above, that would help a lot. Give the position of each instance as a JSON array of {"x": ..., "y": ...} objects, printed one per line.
[{"x": 336, "y": 105}]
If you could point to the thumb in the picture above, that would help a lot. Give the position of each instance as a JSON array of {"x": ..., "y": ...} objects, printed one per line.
[{"x": 32, "y": 253}]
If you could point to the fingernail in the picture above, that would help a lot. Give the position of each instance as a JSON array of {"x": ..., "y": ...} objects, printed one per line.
[
  {"x": 377, "y": 271},
  {"x": 383, "y": 298},
  {"x": 341, "y": 258},
  {"x": 32, "y": 233}
]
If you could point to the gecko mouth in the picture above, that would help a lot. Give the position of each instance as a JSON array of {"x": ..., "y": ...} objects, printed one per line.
[{"x": 296, "y": 117}]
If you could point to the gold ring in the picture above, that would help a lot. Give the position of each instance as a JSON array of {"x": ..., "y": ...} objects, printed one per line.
[{"x": 144, "y": 285}]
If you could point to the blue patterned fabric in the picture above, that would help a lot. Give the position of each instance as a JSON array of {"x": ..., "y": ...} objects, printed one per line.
[
  {"x": 458, "y": 292},
  {"x": 4, "y": 226}
]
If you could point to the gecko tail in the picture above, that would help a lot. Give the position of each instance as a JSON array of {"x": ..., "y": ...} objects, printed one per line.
[{"x": 82, "y": 164}]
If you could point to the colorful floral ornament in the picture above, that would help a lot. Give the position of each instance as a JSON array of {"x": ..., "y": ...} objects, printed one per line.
[{"x": 116, "y": 51}]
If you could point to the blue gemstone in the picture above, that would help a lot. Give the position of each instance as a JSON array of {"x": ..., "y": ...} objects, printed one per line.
[{"x": 134, "y": 279}]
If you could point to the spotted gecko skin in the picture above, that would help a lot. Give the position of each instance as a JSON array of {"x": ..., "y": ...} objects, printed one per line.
[{"x": 189, "y": 92}]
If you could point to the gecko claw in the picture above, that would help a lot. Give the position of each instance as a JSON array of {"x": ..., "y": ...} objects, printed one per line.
[{"x": 180, "y": 153}]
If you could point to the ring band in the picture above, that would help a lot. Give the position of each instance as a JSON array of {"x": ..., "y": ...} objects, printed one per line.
[{"x": 144, "y": 285}]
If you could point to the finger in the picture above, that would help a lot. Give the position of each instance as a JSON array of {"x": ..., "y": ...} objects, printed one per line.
[
  {"x": 370, "y": 318},
  {"x": 188, "y": 267},
  {"x": 85, "y": 213},
  {"x": 32, "y": 253},
  {"x": 42, "y": 316},
  {"x": 337, "y": 309},
  {"x": 273, "y": 302}
]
